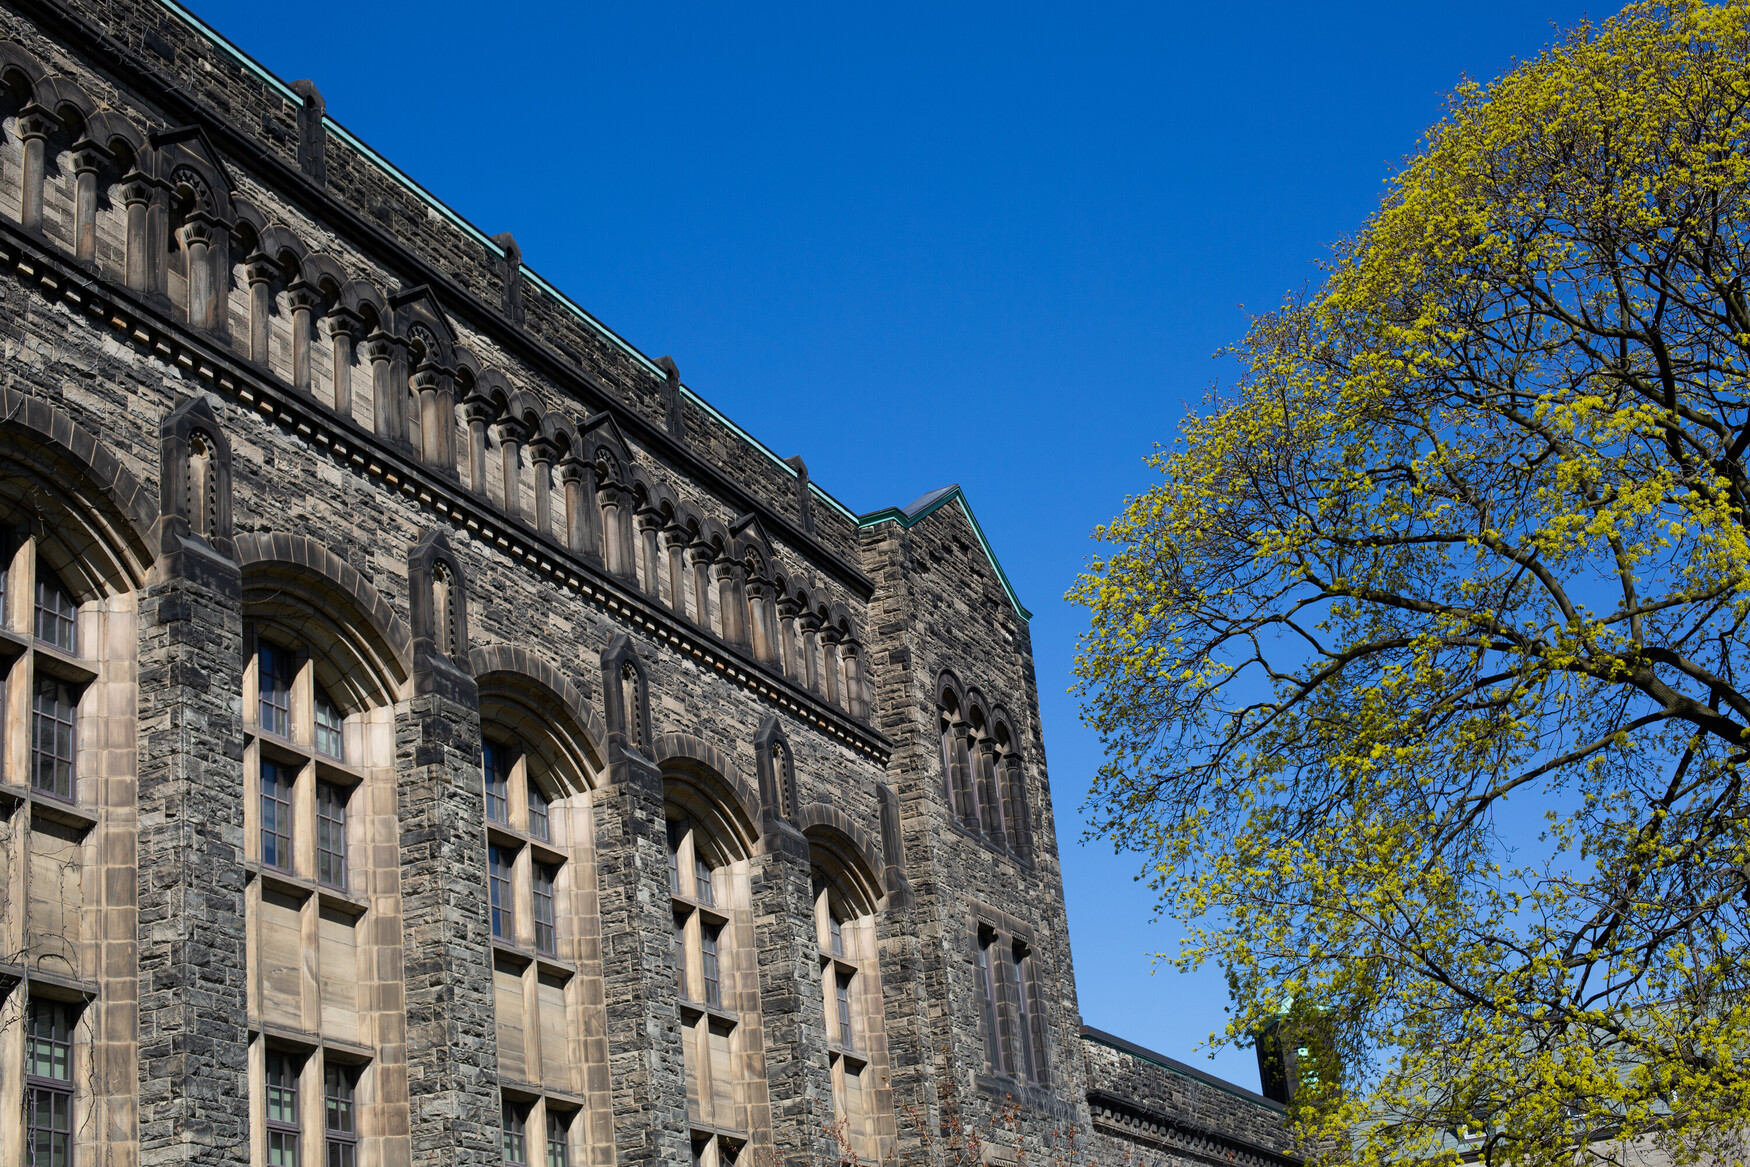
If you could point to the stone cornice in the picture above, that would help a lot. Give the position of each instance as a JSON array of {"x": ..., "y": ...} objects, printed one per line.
[
  {"x": 149, "y": 330},
  {"x": 291, "y": 183}
]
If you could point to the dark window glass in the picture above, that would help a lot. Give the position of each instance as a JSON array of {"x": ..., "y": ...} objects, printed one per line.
[
  {"x": 496, "y": 763},
  {"x": 49, "y": 1045},
  {"x": 276, "y": 816},
  {"x": 702, "y": 877},
  {"x": 55, "y": 741},
  {"x": 282, "y": 1111},
  {"x": 987, "y": 1003},
  {"x": 503, "y": 915},
  {"x": 557, "y": 1155},
  {"x": 516, "y": 1142},
  {"x": 48, "y": 1127},
  {"x": 835, "y": 932},
  {"x": 331, "y": 835},
  {"x": 1024, "y": 1018},
  {"x": 341, "y": 1122},
  {"x": 545, "y": 938},
  {"x": 708, "y": 965},
  {"x": 680, "y": 955},
  {"x": 675, "y": 834},
  {"x": 273, "y": 674},
  {"x": 843, "y": 1000},
  {"x": 56, "y": 613},
  {"x": 538, "y": 825},
  {"x": 328, "y": 723}
]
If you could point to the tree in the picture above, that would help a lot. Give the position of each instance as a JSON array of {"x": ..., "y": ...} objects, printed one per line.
[{"x": 1470, "y": 538}]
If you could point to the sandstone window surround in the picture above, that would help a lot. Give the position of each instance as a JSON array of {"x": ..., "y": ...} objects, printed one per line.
[
  {"x": 317, "y": 752},
  {"x": 712, "y": 932},
  {"x": 68, "y": 641},
  {"x": 850, "y": 988},
  {"x": 539, "y": 877}
]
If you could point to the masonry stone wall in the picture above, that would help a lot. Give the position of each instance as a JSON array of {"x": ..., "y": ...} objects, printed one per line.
[{"x": 639, "y": 832}]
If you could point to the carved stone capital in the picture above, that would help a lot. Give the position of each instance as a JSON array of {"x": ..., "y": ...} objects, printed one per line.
[
  {"x": 810, "y": 621},
  {"x": 571, "y": 468},
  {"x": 648, "y": 518},
  {"x": 674, "y": 535},
  {"x": 201, "y": 229},
  {"x": 260, "y": 268},
  {"x": 88, "y": 156},
  {"x": 541, "y": 449},
  {"x": 341, "y": 320},
  {"x": 380, "y": 346},
  {"x": 726, "y": 568},
  {"x": 509, "y": 429},
  {"x": 477, "y": 407},
  {"x": 303, "y": 296},
  {"x": 36, "y": 121},
  {"x": 788, "y": 607},
  {"x": 136, "y": 188},
  {"x": 700, "y": 552}
]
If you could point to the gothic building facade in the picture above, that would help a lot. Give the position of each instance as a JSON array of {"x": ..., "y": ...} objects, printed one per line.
[{"x": 434, "y": 735}]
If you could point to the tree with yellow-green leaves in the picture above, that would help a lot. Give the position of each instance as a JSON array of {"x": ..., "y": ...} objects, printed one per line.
[{"x": 1424, "y": 670}]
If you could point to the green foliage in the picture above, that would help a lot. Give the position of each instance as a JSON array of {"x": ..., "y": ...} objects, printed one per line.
[{"x": 1474, "y": 527}]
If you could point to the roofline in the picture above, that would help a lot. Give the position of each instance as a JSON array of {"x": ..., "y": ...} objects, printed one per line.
[
  {"x": 402, "y": 178},
  {"x": 953, "y": 493},
  {"x": 1143, "y": 1053}
]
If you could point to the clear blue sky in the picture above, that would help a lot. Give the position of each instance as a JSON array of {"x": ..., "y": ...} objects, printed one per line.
[{"x": 987, "y": 244}]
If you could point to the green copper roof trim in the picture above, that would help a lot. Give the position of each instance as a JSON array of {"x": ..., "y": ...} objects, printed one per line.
[
  {"x": 402, "y": 178},
  {"x": 941, "y": 498}
]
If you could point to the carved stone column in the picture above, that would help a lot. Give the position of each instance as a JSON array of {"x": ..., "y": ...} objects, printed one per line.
[
  {"x": 427, "y": 384},
  {"x": 260, "y": 270},
  {"x": 615, "y": 502},
  {"x": 731, "y": 601},
  {"x": 787, "y": 610},
  {"x": 581, "y": 517},
  {"x": 811, "y": 650},
  {"x": 302, "y": 298},
  {"x": 510, "y": 434},
  {"x": 477, "y": 411},
  {"x": 541, "y": 452},
  {"x": 199, "y": 236},
  {"x": 649, "y": 522},
  {"x": 88, "y": 159},
  {"x": 990, "y": 799},
  {"x": 674, "y": 546},
  {"x": 385, "y": 408},
  {"x": 759, "y": 606},
  {"x": 136, "y": 191},
  {"x": 856, "y": 685},
  {"x": 699, "y": 556},
  {"x": 829, "y": 665},
  {"x": 35, "y": 124},
  {"x": 343, "y": 329},
  {"x": 960, "y": 774}
]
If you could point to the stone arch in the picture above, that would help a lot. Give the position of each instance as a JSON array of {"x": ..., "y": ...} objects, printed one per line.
[
  {"x": 65, "y": 97},
  {"x": 531, "y": 689},
  {"x": 712, "y": 780},
  {"x": 947, "y": 684},
  {"x": 298, "y": 581},
  {"x": 101, "y": 513},
  {"x": 15, "y": 58},
  {"x": 831, "y": 829}
]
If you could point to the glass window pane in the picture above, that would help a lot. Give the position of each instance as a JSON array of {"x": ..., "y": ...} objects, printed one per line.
[
  {"x": 516, "y": 1150},
  {"x": 556, "y": 1149},
  {"x": 56, "y": 613},
  {"x": 538, "y": 826},
  {"x": 331, "y": 835},
  {"x": 54, "y": 738},
  {"x": 328, "y": 725},
  {"x": 546, "y": 938},
  {"x": 276, "y": 816},
  {"x": 708, "y": 965},
  {"x": 498, "y": 884},
  {"x": 496, "y": 764},
  {"x": 274, "y": 671}
]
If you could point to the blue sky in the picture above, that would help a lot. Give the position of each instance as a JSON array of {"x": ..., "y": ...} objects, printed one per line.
[{"x": 987, "y": 244}]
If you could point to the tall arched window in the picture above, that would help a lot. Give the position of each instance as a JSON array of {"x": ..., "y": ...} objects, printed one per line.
[
  {"x": 537, "y": 767},
  {"x": 844, "y": 917},
  {"x": 318, "y": 757},
  {"x": 717, "y": 984}
]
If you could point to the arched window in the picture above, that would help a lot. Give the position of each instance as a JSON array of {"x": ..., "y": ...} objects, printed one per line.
[
  {"x": 844, "y": 918},
  {"x": 716, "y": 981},
  {"x": 318, "y": 755},
  {"x": 538, "y": 765},
  {"x": 957, "y": 764}
]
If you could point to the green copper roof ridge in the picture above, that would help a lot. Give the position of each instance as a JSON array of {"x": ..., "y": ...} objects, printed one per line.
[
  {"x": 402, "y": 178},
  {"x": 906, "y": 521}
]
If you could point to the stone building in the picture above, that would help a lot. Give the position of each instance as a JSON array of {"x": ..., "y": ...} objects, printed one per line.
[{"x": 435, "y": 735}]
